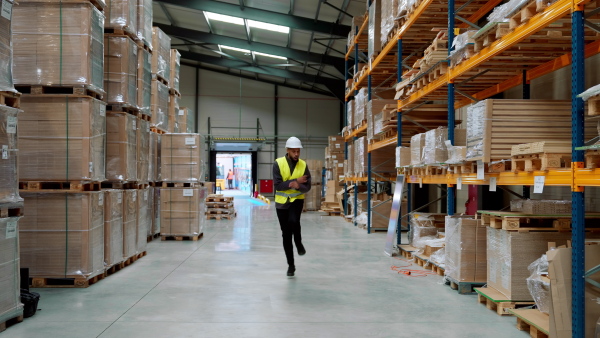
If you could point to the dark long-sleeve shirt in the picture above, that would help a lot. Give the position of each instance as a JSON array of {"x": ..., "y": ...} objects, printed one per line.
[{"x": 280, "y": 185}]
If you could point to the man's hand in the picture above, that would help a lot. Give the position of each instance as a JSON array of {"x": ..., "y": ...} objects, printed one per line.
[
  {"x": 294, "y": 185},
  {"x": 302, "y": 179}
]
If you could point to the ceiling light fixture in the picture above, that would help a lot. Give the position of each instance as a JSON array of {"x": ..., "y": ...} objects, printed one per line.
[
  {"x": 246, "y": 51},
  {"x": 224, "y": 18},
  {"x": 268, "y": 26},
  {"x": 271, "y": 56}
]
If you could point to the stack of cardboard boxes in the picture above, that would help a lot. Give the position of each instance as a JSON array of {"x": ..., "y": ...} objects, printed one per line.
[{"x": 312, "y": 199}]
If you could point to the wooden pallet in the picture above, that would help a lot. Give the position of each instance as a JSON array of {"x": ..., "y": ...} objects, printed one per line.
[
  {"x": 80, "y": 90},
  {"x": 158, "y": 130},
  {"x": 122, "y": 32},
  {"x": 463, "y": 287},
  {"x": 180, "y": 184},
  {"x": 331, "y": 211},
  {"x": 496, "y": 301},
  {"x": 495, "y": 32},
  {"x": 406, "y": 251},
  {"x": 144, "y": 45},
  {"x": 124, "y": 185},
  {"x": 10, "y": 99},
  {"x": 11, "y": 210},
  {"x": 181, "y": 237},
  {"x": 220, "y": 217},
  {"x": 526, "y": 12},
  {"x": 62, "y": 186},
  {"x": 540, "y": 162},
  {"x": 10, "y": 322},
  {"x": 174, "y": 92},
  {"x": 219, "y": 198},
  {"x": 532, "y": 320},
  {"x": 424, "y": 261},
  {"x": 121, "y": 265},
  {"x": 123, "y": 108},
  {"x": 521, "y": 222},
  {"x": 220, "y": 211},
  {"x": 150, "y": 238},
  {"x": 593, "y": 104},
  {"x": 161, "y": 79},
  {"x": 66, "y": 282},
  {"x": 592, "y": 158},
  {"x": 222, "y": 205}
]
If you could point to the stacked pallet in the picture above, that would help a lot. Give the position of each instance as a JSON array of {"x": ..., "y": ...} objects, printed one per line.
[
  {"x": 177, "y": 115},
  {"x": 334, "y": 158},
  {"x": 374, "y": 118},
  {"x": 11, "y": 204},
  {"x": 161, "y": 73},
  {"x": 312, "y": 199},
  {"x": 219, "y": 207}
]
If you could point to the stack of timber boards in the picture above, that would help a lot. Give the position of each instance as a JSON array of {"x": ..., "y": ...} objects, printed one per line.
[
  {"x": 219, "y": 207},
  {"x": 494, "y": 126}
]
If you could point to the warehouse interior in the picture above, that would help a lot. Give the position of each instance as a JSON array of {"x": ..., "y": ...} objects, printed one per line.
[{"x": 453, "y": 151}]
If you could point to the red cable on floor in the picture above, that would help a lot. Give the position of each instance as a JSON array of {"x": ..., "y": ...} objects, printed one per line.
[{"x": 410, "y": 272}]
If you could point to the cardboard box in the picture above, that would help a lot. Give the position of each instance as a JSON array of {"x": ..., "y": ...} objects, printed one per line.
[
  {"x": 62, "y": 235},
  {"x": 120, "y": 70},
  {"x": 143, "y": 150},
  {"x": 9, "y": 184},
  {"x": 175, "y": 60},
  {"x": 154, "y": 159},
  {"x": 402, "y": 156},
  {"x": 159, "y": 107},
  {"x": 161, "y": 54},
  {"x": 144, "y": 81},
  {"x": 130, "y": 219},
  {"x": 62, "y": 137},
  {"x": 113, "y": 226},
  {"x": 374, "y": 34},
  {"x": 121, "y": 147},
  {"x": 121, "y": 15},
  {"x": 144, "y": 21},
  {"x": 509, "y": 254},
  {"x": 417, "y": 144},
  {"x": 180, "y": 158},
  {"x": 58, "y": 44},
  {"x": 173, "y": 113},
  {"x": 466, "y": 249},
  {"x": 435, "y": 151},
  {"x": 6, "y": 77},
  {"x": 182, "y": 211},
  {"x": 10, "y": 292},
  {"x": 145, "y": 201}
]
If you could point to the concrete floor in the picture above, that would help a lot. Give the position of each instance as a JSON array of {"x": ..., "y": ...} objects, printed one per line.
[{"x": 232, "y": 283}]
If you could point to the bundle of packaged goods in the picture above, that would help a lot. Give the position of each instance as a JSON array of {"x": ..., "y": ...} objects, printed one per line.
[
  {"x": 374, "y": 108},
  {"x": 10, "y": 292},
  {"x": 145, "y": 203},
  {"x": 130, "y": 220},
  {"x": 159, "y": 107},
  {"x": 120, "y": 71},
  {"x": 178, "y": 120},
  {"x": 180, "y": 158},
  {"x": 58, "y": 44},
  {"x": 62, "y": 138},
  {"x": 63, "y": 235},
  {"x": 541, "y": 207},
  {"x": 144, "y": 81},
  {"x": 122, "y": 16},
  {"x": 121, "y": 147},
  {"x": 182, "y": 211},
  {"x": 374, "y": 34},
  {"x": 360, "y": 106},
  {"x": 312, "y": 199},
  {"x": 144, "y": 22},
  {"x": 426, "y": 232},
  {"x": 173, "y": 113},
  {"x": 6, "y": 49},
  {"x": 360, "y": 157},
  {"x": 9, "y": 184},
  {"x": 113, "y": 227},
  {"x": 161, "y": 55},
  {"x": 465, "y": 249},
  {"x": 357, "y": 21},
  {"x": 143, "y": 151},
  {"x": 175, "y": 66}
]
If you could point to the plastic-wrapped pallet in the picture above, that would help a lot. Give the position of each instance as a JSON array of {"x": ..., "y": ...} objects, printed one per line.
[
  {"x": 182, "y": 211},
  {"x": 63, "y": 234},
  {"x": 462, "y": 47},
  {"x": 113, "y": 227},
  {"x": 180, "y": 158},
  {"x": 374, "y": 34},
  {"x": 121, "y": 147},
  {"x": 539, "y": 284},
  {"x": 435, "y": 151},
  {"x": 153, "y": 163},
  {"x": 161, "y": 54},
  {"x": 360, "y": 157},
  {"x": 191, "y": 122},
  {"x": 144, "y": 81},
  {"x": 387, "y": 19},
  {"x": 151, "y": 211},
  {"x": 175, "y": 67},
  {"x": 130, "y": 219},
  {"x": 402, "y": 156},
  {"x": 144, "y": 21},
  {"x": 360, "y": 102},
  {"x": 178, "y": 120},
  {"x": 10, "y": 292},
  {"x": 173, "y": 113},
  {"x": 315, "y": 167},
  {"x": 159, "y": 108},
  {"x": 350, "y": 112},
  {"x": 62, "y": 137},
  {"x": 143, "y": 151},
  {"x": 9, "y": 184},
  {"x": 6, "y": 51},
  {"x": 156, "y": 211},
  {"x": 417, "y": 144},
  {"x": 466, "y": 250},
  {"x": 58, "y": 44},
  {"x": 144, "y": 220},
  {"x": 120, "y": 70},
  {"x": 121, "y": 15},
  {"x": 349, "y": 163},
  {"x": 424, "y": 227}
]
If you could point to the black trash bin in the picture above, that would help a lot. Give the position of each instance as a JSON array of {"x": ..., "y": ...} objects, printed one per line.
[{"x": 30, "y": 302}]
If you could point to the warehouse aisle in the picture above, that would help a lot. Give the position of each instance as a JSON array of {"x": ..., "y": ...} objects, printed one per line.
[{"x": 232, "y": 283}]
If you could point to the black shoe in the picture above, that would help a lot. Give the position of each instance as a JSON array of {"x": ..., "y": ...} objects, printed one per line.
[
  {"x": 290, "y": 272},
  {"x": 301, "y": 251}
]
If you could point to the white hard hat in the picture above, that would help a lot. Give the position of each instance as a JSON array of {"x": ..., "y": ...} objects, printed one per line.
[{"x": 293, "y": 142}]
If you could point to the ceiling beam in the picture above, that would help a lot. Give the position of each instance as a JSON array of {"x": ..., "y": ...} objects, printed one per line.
[
  {"x": 291, "y": 53},
  {"x": 314, "y": 91},
  {"x": 292, "y": 21},
  {"x": 334, "y": 85}
]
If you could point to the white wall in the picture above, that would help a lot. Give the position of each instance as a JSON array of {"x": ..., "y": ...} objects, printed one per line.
[{"x": 235, "y": 102}]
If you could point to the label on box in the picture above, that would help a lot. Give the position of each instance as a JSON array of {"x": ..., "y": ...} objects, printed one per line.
[
  {"x": 338, "y": 146},
  {"x": 11, "y": 229},
  {"x": 6, "y": 10},
  {"x": 538, "y": 184},
  {"x": 146, "y": 195},
  {"x": 459, "y": 183},
  {"x": 134, "y": 124},
  {"x": 102, "y": 110},
  {"x": 11, "y": 125},
  {"x": 4, "y": 152},
  {"x": 190, "y": 141},
  {"x": 135, "y": 196},
  {"x": 493, "y": 183},
  {"x": 480, "y": 170},
  {"x": 181, "y": 112},
  {"x": 91, "y": 167},
  {"x": 333, "y": 156},
  {"x": 340, "y": 165},
  {"x": 101, "y": 199},
  {"x": 188, "y": 192},
  {"x": 120, "y": 198}
]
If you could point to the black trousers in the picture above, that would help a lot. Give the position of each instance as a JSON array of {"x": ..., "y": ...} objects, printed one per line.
[
  {"x": 289, "y": 221},
  {"x": 230, "y": 184}
]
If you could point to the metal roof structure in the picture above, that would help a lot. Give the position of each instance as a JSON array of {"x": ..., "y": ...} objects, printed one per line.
[{"x": 297, "y": 44}]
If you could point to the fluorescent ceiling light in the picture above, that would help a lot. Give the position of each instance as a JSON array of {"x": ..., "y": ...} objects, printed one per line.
[
  {"x": 271, "y": 56},
  {"x": 224, "y": 18},
  {"x": 268, "y": 26},
  {"x": 235, "y": 49}
]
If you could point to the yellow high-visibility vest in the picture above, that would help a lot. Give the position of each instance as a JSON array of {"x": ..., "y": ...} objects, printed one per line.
[{"x": 281, "y": 197}]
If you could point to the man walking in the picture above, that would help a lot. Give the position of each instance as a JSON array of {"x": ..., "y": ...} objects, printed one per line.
[{"x": 292, "y": 180}]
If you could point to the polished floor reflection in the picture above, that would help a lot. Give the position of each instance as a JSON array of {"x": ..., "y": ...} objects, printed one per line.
[{"x": 232, "y": 283}]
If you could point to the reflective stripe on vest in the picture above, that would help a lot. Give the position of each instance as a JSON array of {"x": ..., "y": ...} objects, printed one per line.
[{"x": 282, "y": 197}]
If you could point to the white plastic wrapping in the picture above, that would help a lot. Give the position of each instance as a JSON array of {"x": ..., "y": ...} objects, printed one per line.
[
  {"x": 500, "y": 12},
  {"x": 423, "y": 227},
  {"x": 466, "y": 249},
  {"x": 417, "y": 144},
  {"x": 374, "y": 33},
  {"x": 538, "y": 286},
  {"x": 402, "y": 156},
  {"x": 360, "y": 157},
  {"x": 159, "y": 108},
  {"x": 387, "y": 19},
  {"x": 144, "y": 81},
  {"x": 10, "y": 292},
  {"x": 144, "y": 221},
  {"x": 161, "y": 54},
  {"x": 121, "y": 144},
  {"x": 144, "y": 21},
  {"x": 143, "y": 151},
  {"x": 120, "y": 70},
  {"x": 360, "y": 106},
  {"x": 350, "y": 113},
  {"x": 6, "y": 56},
  {"x": 9, "y": 178},
  {"x": 475, "y": 129},
  {"x": 122, "y": 15},
  {"x": 113, "y": 227},
  {"x": 435, "y": 151},
  {"x": 595, "y": 90},
  {"x": 175, "y": 67},
  {"x": 461, "y": 47}
]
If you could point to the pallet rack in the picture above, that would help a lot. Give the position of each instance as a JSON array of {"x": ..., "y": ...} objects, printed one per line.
[{"x": 533, "y": 60}]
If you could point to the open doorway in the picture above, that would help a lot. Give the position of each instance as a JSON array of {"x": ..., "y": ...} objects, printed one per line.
[{"x": 233, "y": 173}]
